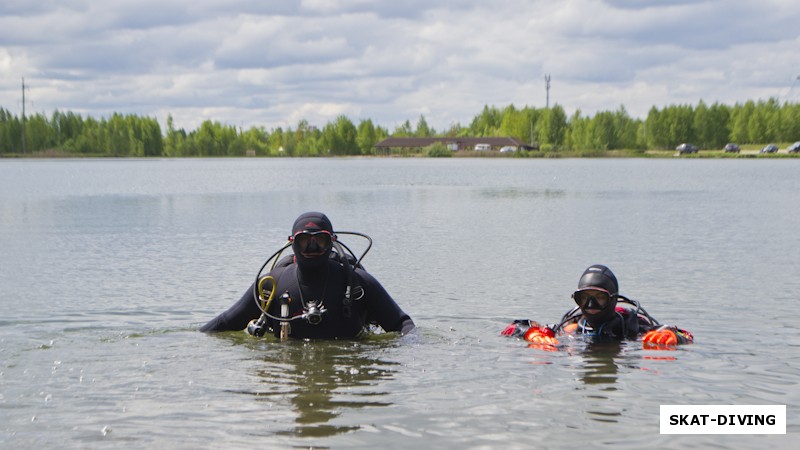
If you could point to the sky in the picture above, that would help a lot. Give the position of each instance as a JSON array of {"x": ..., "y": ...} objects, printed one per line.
[{"x": 273, "y": 63}]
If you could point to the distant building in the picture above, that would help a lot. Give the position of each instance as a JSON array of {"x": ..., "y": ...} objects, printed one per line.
[{"x": 454, "y": 143}]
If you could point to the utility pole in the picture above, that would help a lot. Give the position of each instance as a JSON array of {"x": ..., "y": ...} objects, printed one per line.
[
  {"x": 23, "y": 117},
  {"x": 547, "y": 87}
]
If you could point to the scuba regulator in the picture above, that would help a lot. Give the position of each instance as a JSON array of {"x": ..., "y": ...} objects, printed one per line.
[{"x": 313, "y": 311}]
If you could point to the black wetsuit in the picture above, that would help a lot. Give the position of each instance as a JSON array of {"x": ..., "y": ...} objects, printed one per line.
[
  {"x": 370, "y": 303},
  {"x": 625, "y": 323}
]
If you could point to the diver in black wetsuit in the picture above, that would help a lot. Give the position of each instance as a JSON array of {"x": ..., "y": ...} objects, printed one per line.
[
  {"x": 319, "y": 292},
  {"x": 601, "y": 313}
]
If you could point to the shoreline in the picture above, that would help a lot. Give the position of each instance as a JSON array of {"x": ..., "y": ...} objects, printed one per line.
[{"x": 656, "y": 154}]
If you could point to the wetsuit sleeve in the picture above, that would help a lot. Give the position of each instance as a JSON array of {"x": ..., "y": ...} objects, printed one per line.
[
  {"x": 381, "y": 307},
  {"x": 236, "y": 317}
]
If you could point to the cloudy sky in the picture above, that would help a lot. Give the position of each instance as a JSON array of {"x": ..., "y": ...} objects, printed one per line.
[{"x": 274, "y": 62}]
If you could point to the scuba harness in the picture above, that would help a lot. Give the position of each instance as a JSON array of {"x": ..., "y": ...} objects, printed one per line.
[
  {"x": 575, "y": 314},
  {"x": 312, "y": 311}
]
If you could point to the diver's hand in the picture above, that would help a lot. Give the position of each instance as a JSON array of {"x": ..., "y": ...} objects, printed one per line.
[
  {"x": 660, "y": 337},
  {"x": 509, "y": 330},
  {"x": 518, "y": 328},
  {"x": 407, "y": 326},
  {"x": 541, "y": 335},
  {"x": 666, "y": 336}
]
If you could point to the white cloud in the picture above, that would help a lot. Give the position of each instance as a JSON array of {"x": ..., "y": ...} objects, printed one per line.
[
  {"x": 5, "y": 62},
  {"x": 273, "y": 63}
]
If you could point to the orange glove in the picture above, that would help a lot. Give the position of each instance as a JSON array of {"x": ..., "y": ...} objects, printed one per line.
[
  {"x": 541, "y": 335},
  {"x": 666, "y": 337},
  {"x": 655, "y": 338},
  {"x": 518, "y": 328}
]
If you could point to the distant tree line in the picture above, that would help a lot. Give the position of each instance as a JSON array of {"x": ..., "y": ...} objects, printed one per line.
[
  {"x": 709, "y": 127},
  {"x": 68, "y": 132}
]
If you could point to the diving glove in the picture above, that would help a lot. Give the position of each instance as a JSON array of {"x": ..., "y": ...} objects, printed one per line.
[
  {"x": 666, "y": 336},
  {"x": 541, "y": 335}
]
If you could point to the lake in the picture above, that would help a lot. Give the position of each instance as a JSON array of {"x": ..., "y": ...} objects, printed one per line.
[{"x": 108, "y": 267}]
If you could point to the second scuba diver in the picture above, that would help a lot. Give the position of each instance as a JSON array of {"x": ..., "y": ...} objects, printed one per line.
[
  {"x": 602, "y": 313},
  {"x": 321, "y": 291}
]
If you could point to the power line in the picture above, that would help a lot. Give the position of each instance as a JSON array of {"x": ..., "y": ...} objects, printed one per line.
[{"x": 792, "y": 87}]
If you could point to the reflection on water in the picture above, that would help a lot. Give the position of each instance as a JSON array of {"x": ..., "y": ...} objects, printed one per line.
[
  {"x": 600, "y": 362},
  {"x": 598, "y": 367},
  {"x": 321, "y": 380}
]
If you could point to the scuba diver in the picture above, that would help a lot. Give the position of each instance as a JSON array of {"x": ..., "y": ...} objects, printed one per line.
[
  {"x": 603, "y": 314},
  {"x": 321, "y": 291}
]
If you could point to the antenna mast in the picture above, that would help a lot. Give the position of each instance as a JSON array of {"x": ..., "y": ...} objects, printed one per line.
[{"x": 547, "y": 87}]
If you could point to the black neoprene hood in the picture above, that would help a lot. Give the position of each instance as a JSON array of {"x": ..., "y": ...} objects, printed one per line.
[
  {"x": 312, "y": 221},
  {"x": 598, "y": 275}
]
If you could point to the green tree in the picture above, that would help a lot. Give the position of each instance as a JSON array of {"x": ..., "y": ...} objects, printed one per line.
[
  {"x": 423, "y": 130},
  {"x": 552, "y": 127},
  {"x": 89, "y": 141},
  {"x": 39, "y": 134},
  {"x": 173, "y": 142},
  {"x": 347, "y": 133},
  {"x": 602, "y": 135},
  {"x": 740, "y": 130},
  {"x": 10, "y": 132},
  {"x": 205, "y": 139},
  {"x": 516, "y": 123},
  {"x": 118, "y": 142},
  {"x": 758, "y": 125},
  {"x": 289, "y": 142},
  {"x": 257, "y": 140},
  {"x": 532, "y": 118},
  {"x": 712, "y": 126},
  {"x": 656, "y": 135},
  {"x": 306, "y": 137},
  {"x": 331, "y": 142},
  {"x": 455, "y": 130},
  {"x": 679, "y": 122},
  {"x": 790, "y": 122},
  {"x": 131, "y": 135},
  {"x": 149, "y": 134},
  {"x": 367, "y": 137},
  {"x": 276, "y": 142},
  {"x": 486, "y": 123},
  {"x": 403, "y": 130},
  {"x": 769, "y": 110},
  {"x": 577, "y": 132},
  {"x": 626, "y": 129},
  {"x": 67, "y": 127}
]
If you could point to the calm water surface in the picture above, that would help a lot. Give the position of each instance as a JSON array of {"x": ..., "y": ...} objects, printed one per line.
[{"x": 107, "y": 268}]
